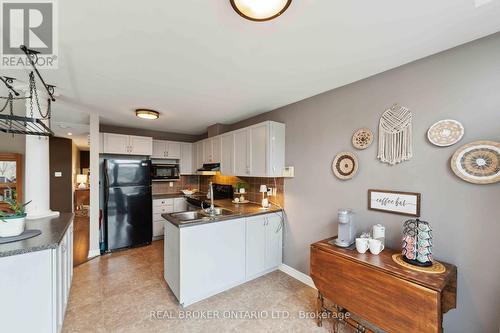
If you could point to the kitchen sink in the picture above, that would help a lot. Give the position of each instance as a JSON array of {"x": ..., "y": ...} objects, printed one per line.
[
  {"x": 188, "y": 216},
  {"x": 201, "y": 215},
  {"x": 218, "y": 212}
]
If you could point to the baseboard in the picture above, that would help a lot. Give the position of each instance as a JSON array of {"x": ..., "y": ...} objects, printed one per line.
[
  {"x": 297, "y": 275},
  {"x": 94, "y": 253}
]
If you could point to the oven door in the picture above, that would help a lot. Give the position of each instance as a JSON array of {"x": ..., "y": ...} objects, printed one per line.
[{"x": 165, "y": 172}]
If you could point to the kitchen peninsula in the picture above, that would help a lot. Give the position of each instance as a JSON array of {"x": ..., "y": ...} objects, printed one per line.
[
  {"x": 36, "y": 275},
  {"x": 205, "y": 255}
]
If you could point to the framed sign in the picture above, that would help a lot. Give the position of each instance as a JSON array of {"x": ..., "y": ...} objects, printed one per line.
[{"x": 404, "y": 203}]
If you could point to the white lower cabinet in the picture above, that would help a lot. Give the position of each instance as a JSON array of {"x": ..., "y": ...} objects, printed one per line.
[
  {"x": 263, "y": 244},
  {"x": 165, "y": 206},
  {"x": 35, "y": 288},
  {"x": 204, "y": 260}
]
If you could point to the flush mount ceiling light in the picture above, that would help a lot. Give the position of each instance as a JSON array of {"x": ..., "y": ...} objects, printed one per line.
[
  {"x": 260, "y": 10},
  {"x": 147, "y": 114}
]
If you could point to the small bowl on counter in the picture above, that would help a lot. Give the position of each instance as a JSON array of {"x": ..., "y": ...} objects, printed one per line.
[{"x": 189, "y": 192}]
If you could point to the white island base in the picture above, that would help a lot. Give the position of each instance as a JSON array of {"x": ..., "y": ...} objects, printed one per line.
[{"x": 206, "y": 259}]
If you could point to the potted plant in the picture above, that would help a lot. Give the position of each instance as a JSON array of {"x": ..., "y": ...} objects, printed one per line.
[
  {"x": 13, "y": 223},
  {"x": 241, "y": 185}
]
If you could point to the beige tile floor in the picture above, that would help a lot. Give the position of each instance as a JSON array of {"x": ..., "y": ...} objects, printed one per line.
[{"x": 125, "y": 292}]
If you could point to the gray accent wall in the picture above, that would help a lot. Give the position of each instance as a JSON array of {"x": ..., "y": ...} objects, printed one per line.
[{"x": 463, "y": 84}]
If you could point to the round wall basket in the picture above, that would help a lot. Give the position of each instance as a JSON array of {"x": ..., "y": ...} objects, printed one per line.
[
  {"x": 445, "y": 132},
  {"x": 345, "y": 165},
  {"x": 478, "y": 162},
  {"x": 362, "y": 138}
]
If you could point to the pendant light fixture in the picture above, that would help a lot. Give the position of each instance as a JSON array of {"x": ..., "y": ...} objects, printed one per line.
[
  {"x": 147, "y": 114},
  {"x": 260, "y": 10}
]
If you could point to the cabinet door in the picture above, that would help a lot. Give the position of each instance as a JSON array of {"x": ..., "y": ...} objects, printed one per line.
[
  {"x": 180, "y": 205},
  {"x": 158, "y": 228},
  {"x": 207, "y": 151},
  {"x": 186, "y": 159},
  {"x": 159, "y": 149},
  {"x": 255, "y": 246},
  {"x": 115, "y": 143},
  {"x": 241, "y": 165},
  {"x": 199, "y": 154},
  {"x": 216, "y": 149},
  {"x": 173, "y": 150},
  {"x": 258, "y": 149},
  {"x": 227, "y": 155},
  {"x": 141, "y": 145},
  {"x": 274, "y": 240}
]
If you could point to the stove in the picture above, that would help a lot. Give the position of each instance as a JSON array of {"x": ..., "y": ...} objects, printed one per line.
[{"x": 221, "y": 191}]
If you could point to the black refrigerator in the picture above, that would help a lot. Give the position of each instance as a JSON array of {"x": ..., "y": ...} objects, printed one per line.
[{"x": 128, "y": 211}]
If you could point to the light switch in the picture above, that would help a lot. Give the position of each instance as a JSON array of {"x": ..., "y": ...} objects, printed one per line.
[
  {"x": 171, "y": 184},
  {"x": 58, "y": 174}
]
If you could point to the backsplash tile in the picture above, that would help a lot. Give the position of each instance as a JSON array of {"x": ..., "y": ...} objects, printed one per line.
[
  {"x": 254, "y": 183},
  {"x": 184, "y": 183},
  {"x": 201, "y": 183}
]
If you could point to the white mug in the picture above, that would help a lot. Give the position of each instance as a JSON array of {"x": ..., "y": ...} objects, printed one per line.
[
  {"x": 362, "y": 244},
  {"x": 376, "y": 246}
]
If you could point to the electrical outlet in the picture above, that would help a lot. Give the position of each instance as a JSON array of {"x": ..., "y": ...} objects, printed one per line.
[
  {"x": 58, "y": 174},
  {"x": 270, "y": 191},
  {"x": 171, "y": 184}
]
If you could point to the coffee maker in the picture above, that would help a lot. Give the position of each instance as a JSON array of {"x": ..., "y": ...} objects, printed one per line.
[{"x": 347, "y": 230}]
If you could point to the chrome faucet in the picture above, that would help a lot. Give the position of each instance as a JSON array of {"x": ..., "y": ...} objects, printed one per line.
[{"x": 211, "y": 210}]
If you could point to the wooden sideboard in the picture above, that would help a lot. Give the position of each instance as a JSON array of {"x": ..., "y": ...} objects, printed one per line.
[{"x": 378, "y": 290}]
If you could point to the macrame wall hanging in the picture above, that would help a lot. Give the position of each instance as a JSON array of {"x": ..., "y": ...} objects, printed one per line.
[{"x": 395, "y": 143}]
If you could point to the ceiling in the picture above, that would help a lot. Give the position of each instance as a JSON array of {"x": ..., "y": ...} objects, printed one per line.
[{"x": 200, "y": 63}]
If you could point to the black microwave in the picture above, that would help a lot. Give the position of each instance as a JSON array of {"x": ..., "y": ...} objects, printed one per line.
[{"x": 165, "y": 172}]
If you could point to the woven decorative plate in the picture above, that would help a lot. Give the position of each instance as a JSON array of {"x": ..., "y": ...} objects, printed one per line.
[
  {"x": 362, "y": 138},
  {"x": 345, "y": 165},
  {"x": 436, "y": 268},
  {"x": 445, "y": 133},
  {"x": 478, "y": 162}
]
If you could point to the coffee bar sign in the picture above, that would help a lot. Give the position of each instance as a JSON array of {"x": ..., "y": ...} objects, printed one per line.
[{"x": 404, "y": 203}]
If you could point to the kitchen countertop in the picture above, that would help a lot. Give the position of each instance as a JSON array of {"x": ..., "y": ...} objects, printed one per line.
[
  {"x": 53, "y": 229},
  {"x": 241, "y": 210}
]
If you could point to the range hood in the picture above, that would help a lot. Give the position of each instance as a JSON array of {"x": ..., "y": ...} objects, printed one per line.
[{"x": 209, "y": 169}]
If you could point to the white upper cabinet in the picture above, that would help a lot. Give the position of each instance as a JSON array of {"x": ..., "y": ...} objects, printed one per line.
[
  {"x": 199, "y": 154},
  {"x": 255, "y": 151},
  {"x": 173, "y": 150},
  {"x": 258, "y": 151},
  {"x": 159, "y": 148},
  {"x": 207, "y": 151},
  {"x": 241, "y": 153},
  {"x": 127, "y": 144},
  {"x": 141, "y": 145},
  {"x": 259, "y": 140},
  {"x": 216, "y": 149},
  {"x": 186, "y": 160},
  {"x": 115, "y": 143},
  {"x": 166, "y": 149},
  {"x": 227, "y": 154}
]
